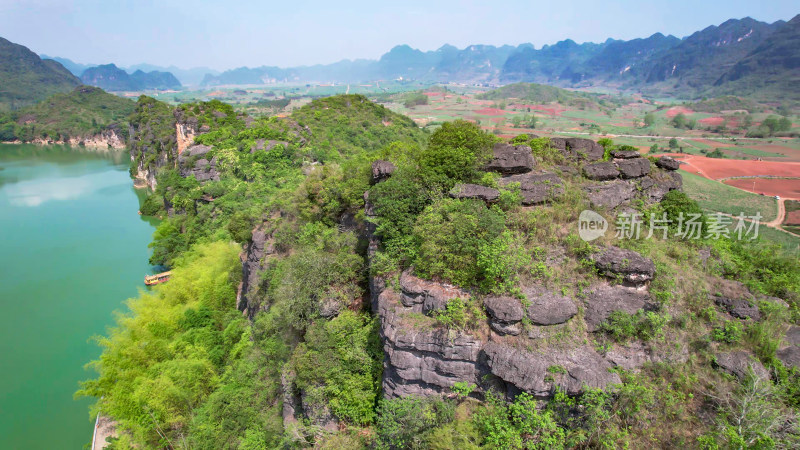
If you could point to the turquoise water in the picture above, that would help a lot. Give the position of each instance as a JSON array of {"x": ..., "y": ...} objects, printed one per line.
[{"x": 72, "y": 249}]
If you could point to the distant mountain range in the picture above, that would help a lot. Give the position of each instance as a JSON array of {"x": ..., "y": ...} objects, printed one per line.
[
  {"x": 745, "y": 56},
  {"x": 187, "y": 77},
  {"x": 112, "y": 78}
]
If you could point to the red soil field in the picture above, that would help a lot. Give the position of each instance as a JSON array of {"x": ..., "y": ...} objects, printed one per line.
[
  {"x": 768, "y": 186},
  {"x": 490, "y": 112},
  {"x": 712, "y": 121},
  {"x": 675, "y": 110},
  {"x": 726, "y": 168},
  {"x": 792, "y": 218}
]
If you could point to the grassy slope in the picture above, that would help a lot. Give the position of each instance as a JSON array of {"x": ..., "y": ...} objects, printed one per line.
[
  {"x": 26, "y": 79},
  {"x": 715, "y": 196}
]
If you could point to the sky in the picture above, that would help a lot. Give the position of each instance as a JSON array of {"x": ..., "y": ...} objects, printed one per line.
[{"x": 224, "y": 35}]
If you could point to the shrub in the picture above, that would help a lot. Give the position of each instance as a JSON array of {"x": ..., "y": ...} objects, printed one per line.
[
  {"x": 449, "y": 236},
  {"x": 500, "y": 260},
  {"x": 459, "y": 314},
  {"x": 402, "y": 422},
  {"x": 646, "y": 326},
  {"x": 518, "y": 425},
  {"x": 454, "y": 153},
  {"x": 730, "y": 332},
  {"x": 340, "y": 361}
]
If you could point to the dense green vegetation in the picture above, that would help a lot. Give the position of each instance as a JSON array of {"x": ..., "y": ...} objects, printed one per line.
[
  {"x": 82, "y": 113},
  {"x": 27, "y": 79},
  {"x": 542, "y": 94},
  {"x": 185, "y": 369}
]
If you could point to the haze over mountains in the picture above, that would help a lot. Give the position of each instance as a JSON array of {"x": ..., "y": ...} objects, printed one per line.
[
  {"x": 703, "y": 62},
  {"x": 742, "y": 56}
]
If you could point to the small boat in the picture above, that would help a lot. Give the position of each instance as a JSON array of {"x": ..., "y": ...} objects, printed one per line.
[{"x": 157, "y": 278}]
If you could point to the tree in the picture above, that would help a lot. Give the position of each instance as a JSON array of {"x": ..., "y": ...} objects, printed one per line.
[
  {"x": 679, "y": 121},
  {"x": 673, "y": 143},
  {"x": 649, "y": 119},
  {"x": 654, "y": 148}
]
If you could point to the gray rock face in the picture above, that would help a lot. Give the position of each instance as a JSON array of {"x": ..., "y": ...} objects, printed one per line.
[
  {"x": 382, "y": 170},
  {"x": 793, "y": 336},
  {"x": 509, "y": 159},
  {"x": 196, "y": 150},
  {"x": 584, "y": 149},
  {"x": 527, "y": 371},
  {"x": 738, "y": 307},
  {"x": 633, "y": 168},
  {"x": 739, "y": 362},
  {"x": 192, "y": 162},
  {"x": 603, "y": 300},
  {"x": 505, "y": 314},
  {"x": 656, "y": 187},
  {"x": 601, "y": 171},
  {"x": 615, "y": 262},
  {"x": 475, "y": 191},
  {"x": 253, "y": 263},
  {"x": 611, "y": 195},
  {"x": 667, "y": 163},
  {"x": 635, "y": 354},
  {"x": 625, "y": 154},
  {"x": 536, "y": 188},
  {"x": 548, "y": 308},
  {"x": 426, "y": 296},
  {"x": 267, "y": 145},
  {"x": 790, "y": 356},
  {"x": 423, "y": 360}
]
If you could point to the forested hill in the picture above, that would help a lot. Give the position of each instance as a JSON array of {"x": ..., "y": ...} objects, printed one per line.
[
  {"x": 26, "y": 79},
  {"x": 342, "y": 279},
  {"x": 86, "y": 114}
]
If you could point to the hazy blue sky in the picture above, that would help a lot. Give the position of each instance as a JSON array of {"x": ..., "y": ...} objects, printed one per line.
[{"x": 230, "y": 34}]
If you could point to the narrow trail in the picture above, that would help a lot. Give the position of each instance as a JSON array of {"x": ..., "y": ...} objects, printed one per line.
[{"x": 781, "y": 214}]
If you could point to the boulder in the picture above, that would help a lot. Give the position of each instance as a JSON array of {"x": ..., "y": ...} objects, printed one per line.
[
  {"x": 536, "y": 188},
  {"x": 793, "y": 336},
  {"x": 656, "y": 186},
  {"x": 667, "y": 163},
  {"x": 528, "y": 371},
  {"x": 475, "y": 191},
  {"x": 426, "y": 296},
  {"x": 382, "y": 170},
  {"x": 739, "y": 308},
  {"x": 625, "y": 154},
  {"x": 615, "y": 262},
  {"x": 738, "y": 363},
  {"x": 584, "y": 149},
  {"x": 603, "y": 300},
  {"x": 612, "y": 194},
  {"x": 548, "y": 308},
  {"x": 504, "y": 308},
  {"x": 509, "y": 159},
  {"x": 505, "y": 313},
  {"x": 634, "y": 168},
  {"x": 600, "y": 171},
  {"x": 790, "y": 356}
]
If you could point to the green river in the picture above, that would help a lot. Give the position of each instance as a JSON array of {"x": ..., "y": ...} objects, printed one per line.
[{"x": 73, "y": 248}]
